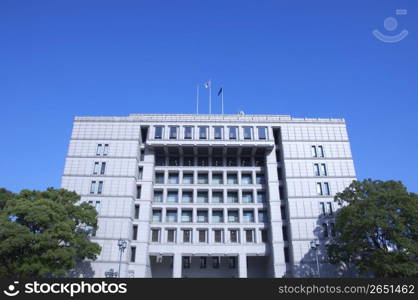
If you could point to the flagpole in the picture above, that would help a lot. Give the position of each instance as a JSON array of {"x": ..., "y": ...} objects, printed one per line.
[
  {"x": 197, "y": 99},
  {"x": 210, "y": 97},
  {"x": 222, "y": 100}
]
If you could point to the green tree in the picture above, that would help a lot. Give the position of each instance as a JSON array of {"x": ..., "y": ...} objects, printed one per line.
[
  {"x": 377, "y": 229},
  {"x": 44, "y": 233}
]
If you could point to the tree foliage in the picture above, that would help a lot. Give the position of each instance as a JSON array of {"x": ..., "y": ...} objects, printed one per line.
[
  {"x": 377, "y": 229},
  {"x": 43, "y": 233}
]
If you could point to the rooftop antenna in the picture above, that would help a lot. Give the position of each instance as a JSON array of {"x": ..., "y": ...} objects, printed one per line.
[
  {"x": 197, "y": 99},
  {"x": 208, "y": 85}
]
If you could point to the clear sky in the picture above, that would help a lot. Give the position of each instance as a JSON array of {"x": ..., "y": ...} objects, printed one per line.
[{"x": 59, "y": 59}]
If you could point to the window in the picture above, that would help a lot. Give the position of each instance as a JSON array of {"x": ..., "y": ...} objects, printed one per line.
[
  {"x": 134, "y": 232},
  {"x": 246, "y": 161},
  {"x": 202, "y": 132},
  {"x": 187, "y": 178},
  {"x": 173, "y": 178},
  {"x": 140, "y": 172},
  {"x": 259, "y": 161},
  {"x": 158, "y": 132},
  {"x": 247, "y": 133},
  {"x": 187, "y": 197},
  {"x": 215, "y": 262},
  {"x": 232, "y": 178},
  {"x": 326, "y": 189},
  {"x": 246, "y": 178},
  {"x": 247, "y": 197},
  {"x": 330, "y": 208},
  {"x": 217, "y": 216},
  {"x": 103, "y": 168},
  {"x": 171, "y": 235},
  {"x": 159, "y": 178},
  {"x": 99, "y": 149},
  {"x": 202, "y": 178},
  {"x": 173, "y": 132},
  {"x": 217, "y": 178},
  {"x": 188, "y": 161},
  {"x": 233, "y": 133},
  {"x": 217, "y": 161},
  {"x": 202, "y": 235},
  {"x": 202, "y": 197},
  {"x": 173, "y": 161},
  {"x": 106, "y": 150},
  {"x": 259, "y": 178},
  {"x": 316, "y": 170},
  {"x": 155, "y": 235},
  {"x": 233, "y": 236},
  {"x": 203, "y": 262},
  {"x": 286, "y": 254},
  {"x": 313, "y": 151},
  {"x": 136, "y": 213},
  {"x": 322, "y": 208},
  {"x": 233, "y": 216},
  {"x": 186, "y": 262},
  {"x": 261, "y": 197},
  {"x": 203, "y": 161},
  {"x": 96, "y": 168},
  {"x": 325, "y": 230},
  {"x": 171, "y": 216},
  {"x": 202, "y": 216},
  {"x": 133, "y": 254},
  {"x": 323, "y": 170},
  {"x": 249, "y": 236},
  {"x": 332, "y": 227},
  {"x": 138, "y": 192},
  {"x": 100, "y": 187},
  {"x": 158, "y": 196},
  {"x": 262, "y": 133},
  {"x": 160, "y": 161},
  {"x": 142, "y": 154},
  {"x": 321, "y": 151},
  {"x": 232, "y": 197},
  {"x": 157, "y": 215},
  {"x": 217, "y": 197},
  {"x": 264, "y": 236},
  {"x": 262, "y": 216},
  {"x": 172, "y": 197},
  {"x": 232, "y": 262},
  {"x": 218, "y": 133},
  {"x": 231, "y": 161},
  {"x": 93, "y": 187},
  {"x": 319, "y": 188},
  {"x": 248, "y": 216},
  {"x": 217, "y": 235},
  {"x": 186, "y": 216},
  {"x": 188, "y": 132},
  {"x": 283, "y": 212},
  {"x": 187, "y": 237}
]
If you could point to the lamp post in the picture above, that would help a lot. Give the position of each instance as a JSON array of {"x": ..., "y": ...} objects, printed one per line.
[
  {"x": 111, "y": 274},
  {"x": 122, "y": 246},
  {"x": 315, "y": 247}
]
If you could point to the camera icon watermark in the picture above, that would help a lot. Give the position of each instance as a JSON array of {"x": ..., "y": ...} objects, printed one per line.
[{"x": 391, "y": 24}]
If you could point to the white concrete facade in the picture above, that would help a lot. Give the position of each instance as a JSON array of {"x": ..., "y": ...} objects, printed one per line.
[{"x": 233, "y": 196}]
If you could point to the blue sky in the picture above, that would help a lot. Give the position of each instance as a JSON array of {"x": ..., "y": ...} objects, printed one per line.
[{"x": 307, "y": 58}]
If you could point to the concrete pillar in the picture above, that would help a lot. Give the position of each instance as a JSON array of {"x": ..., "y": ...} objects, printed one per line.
[
  {"x": 177, "y": 265},
  {"x": 242, "y": 266}
]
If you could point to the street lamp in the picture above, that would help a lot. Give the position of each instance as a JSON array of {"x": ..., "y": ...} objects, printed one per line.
[
  {"x": 111, "y": 274},
  {"x": 315, "y": 247},
  {"x": 122, "y": 246}
]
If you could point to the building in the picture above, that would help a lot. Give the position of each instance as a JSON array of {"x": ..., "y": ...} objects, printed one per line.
[{"x": 210, "y": 195}]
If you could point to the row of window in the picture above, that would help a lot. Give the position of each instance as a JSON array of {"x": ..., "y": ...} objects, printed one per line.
[
  {"x": 206, "y": 196},
  {"x": 102, "y": 149},
  {"x": 207, "y": 132},
  {"x": 202, "y": 215},
  {"x": 206, "y": 161},
  {"x": 203, "y": 178},
  {"x": 187, "y": 235}
]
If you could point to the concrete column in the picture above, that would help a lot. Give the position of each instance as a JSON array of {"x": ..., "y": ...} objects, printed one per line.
[
  {"x": 177, "y": 265},
  {"x": 242, "y": 266}
]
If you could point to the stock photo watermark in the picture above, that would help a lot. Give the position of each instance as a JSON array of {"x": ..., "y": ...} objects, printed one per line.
[{"x": 391, "y": 24}]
